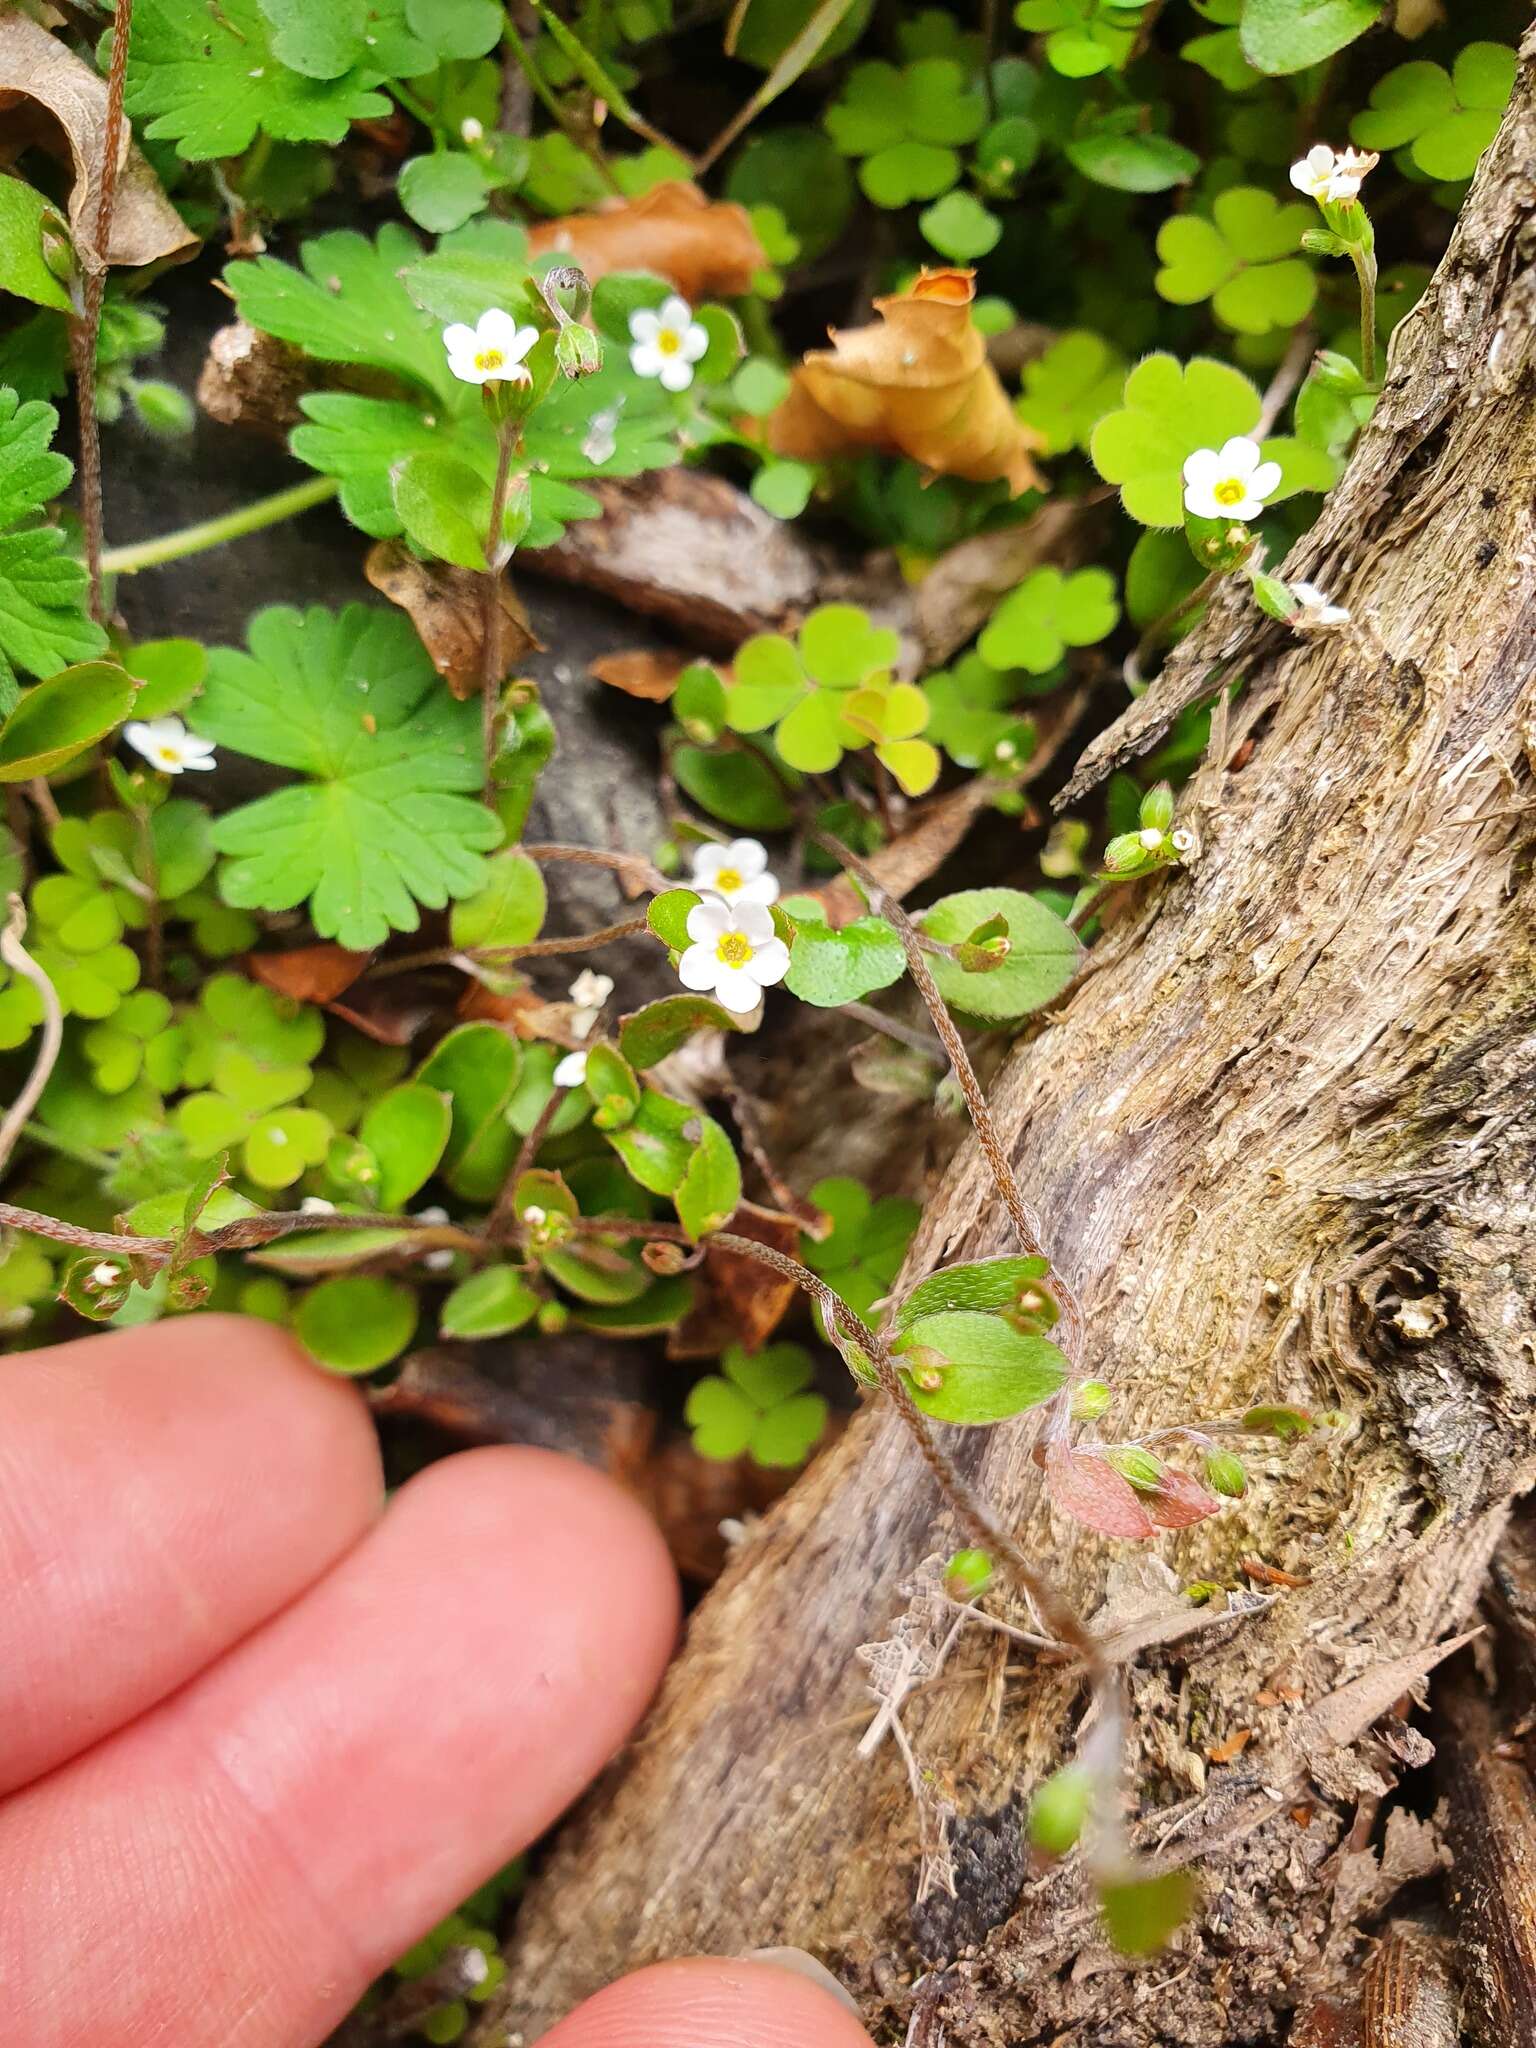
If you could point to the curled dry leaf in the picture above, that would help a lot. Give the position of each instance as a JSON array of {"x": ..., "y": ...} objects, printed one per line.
[
  {"x": 310, "y": 974},
  {"x": 708, "y": 249},
  {"x": 51, "y": 98},
  {"x": 254, "y": 381},
  {"x": 640, "y": 672},
  {"x": 446, "y": 606},
  {"x": 915, "y": 382}
]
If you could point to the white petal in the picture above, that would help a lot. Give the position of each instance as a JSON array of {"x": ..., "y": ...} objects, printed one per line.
[
  {"x": 1265, "y": 481},
  {"x": 572, "y": 1071},
  {"x": 709, "y": 921},
  {"x": 698, "y": 967},
  {"x": 1301, "y": 177},
  {"x": 737, "y": 990},
  {"x": 199, "y": 761},
  {"x": 770, "y": 962},
  {"x": 1308, "y": 594},
  {"x": 644, "y": 325},
  {"x": 747, "y": 856},
  {"x": 1245, "y": 508},
  {"x": 676, "y": 374},
  {"x": 521, "y": 342},
  {"x": 459, "y": 339},
  {"x": 754, "y": 922},
  {"x": 709, "y": 860},
  {"x": 695, "y": 342},
  {"x": 1240, "y": 456},
  {"x": 676, "y": 312},
  {"x": 496, "y": 329},
  {"x": 646, "y": 359},
  {"x": 1200, "y": 498},
  {"x": 757, "y": 889},
  {"x": 1203, "y": 467}
]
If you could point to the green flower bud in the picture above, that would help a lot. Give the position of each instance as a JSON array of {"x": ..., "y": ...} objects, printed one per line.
[
  {"x": 1224, "y": 1473},
  {"x": 1137, "y": 1465},
  {"x": 1090, "y": 1401},
  {"x": 1284, "y": 1423},
  {"x": 1157, "y": 807},
  {"x": 1059, "y": 1808},
  {"x": 1319, "y": 242},
  {"x": 553, "y": 1318},
  {"x": 1125, "y": 854},
  {"x": 968, "y": 1574}
]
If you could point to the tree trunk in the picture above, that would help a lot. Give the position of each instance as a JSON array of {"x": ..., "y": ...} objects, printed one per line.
[{"x": 1281, "y": 1140}]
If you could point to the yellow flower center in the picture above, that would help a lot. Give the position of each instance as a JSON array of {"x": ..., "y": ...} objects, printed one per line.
[
  {"x": 728, "y": 879},
  {"x": 1230, "y": 491},
  {"x": 669, "y": 341},
  {"x": 168, "y": 755},
  {"x": 489, "y": 359},
  {"x": 734, "y": 949}
]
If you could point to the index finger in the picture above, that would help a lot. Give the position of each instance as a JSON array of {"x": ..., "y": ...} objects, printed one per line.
[{"x": 709, "y": 2002}]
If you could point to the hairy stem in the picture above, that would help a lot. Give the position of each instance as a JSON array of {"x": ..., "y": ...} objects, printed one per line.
[
  {"x": 20, "y": 961},
  {"x": 1364, "y": 261},
  {"x": 212, "y": 533},
  {"x": 86, "y": 326},
  {"x": 508, "y": 438}
]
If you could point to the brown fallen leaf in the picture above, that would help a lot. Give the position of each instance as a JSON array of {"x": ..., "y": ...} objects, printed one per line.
[
  {"x": 640, "y": 672},
  {"x": 254, "y": 381},
  {"x": 310, "y": 974},
  {"x": 738, "y": 1300},
  {"x": 915, "y": 382},
  {"x": 446, "y": 606},
  {"x": 1235, "y": 1744},
  {"x": 1269, "y": 1574},
  {"x": 52, "y": 99},
  {"x": 706, "y": 248}
]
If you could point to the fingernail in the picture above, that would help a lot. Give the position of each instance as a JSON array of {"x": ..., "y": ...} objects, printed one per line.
[{"x": 806, "y": 1966}]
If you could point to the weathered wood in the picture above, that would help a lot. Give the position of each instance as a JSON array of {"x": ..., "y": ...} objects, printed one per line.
[
  {"x": 1491, "y": 1806},
  {"x": 1411, "y": 1999},
  {"x": 1295, "y": 1099}
]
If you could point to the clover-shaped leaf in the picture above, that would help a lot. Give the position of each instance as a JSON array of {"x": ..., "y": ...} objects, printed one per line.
[
  {"x": 970, "y": 715},
  {"x": 1169, "y": 411},
  {"x": 1243, "y": 260},
  {"x": 1049, "y": 612},
  {"x": 1281, "y": 36},
  {"x": 861, "y": 1255},
  {"x": 906, "y": 124},
  {"x": 1069, "y": 388},
  {"x": 758, "y": 1404},
  {"x": 1445, "y": 119},
  {"x": 1083, "y": 37},
  {"x": 387, "y": 821}
]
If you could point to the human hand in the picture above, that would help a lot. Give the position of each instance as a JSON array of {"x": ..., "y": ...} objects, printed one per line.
[{"x": 258, "y": 1733}]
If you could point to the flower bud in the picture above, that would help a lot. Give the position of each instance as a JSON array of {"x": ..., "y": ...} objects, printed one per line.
[
  {"x": 1059, "y": 1808},
  {"x": 968, "y": 1574},
  {"x": 1319, "y": 242},
  {"x": 1137, "y": 1465},
  {"x": 1224, "y": 1473},
  {"x": 553, "y": 1318},
  {"x": 1157, "y": 807},
  {"x": 1090, "y": 1401}
]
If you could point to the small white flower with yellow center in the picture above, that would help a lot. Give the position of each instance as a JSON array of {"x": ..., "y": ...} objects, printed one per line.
[
  {"x": 588, "y": 993},
  {"x": 1318, "y": 611},
  {"x": 490, "y": 352},
  {"x": 1231, "y": 482},
  {"x": 572, "y": 1071},
  {"x": 736, "y": 873},
  {"x": 736, "y": 953},
  {"x": 1332, "y": 176},
  {"x": 667, "y": 344},
  {"x": 166, "y": 744}
]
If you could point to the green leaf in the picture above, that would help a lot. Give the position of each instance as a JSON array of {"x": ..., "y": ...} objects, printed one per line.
[
  {"x": 26, "y": 220},
  {"x": 490, "y": 1303},
  {"x": 407, "y": 1131},
  {"x": 1042, "y": 959},
  {"x": 62, "y": 717},
  {"x": 737, "y": 788},
  {"x": 989, "y": 1370},
  {"x": 1446, "y": 120},
  {"x": 477, "y": 1067},
  {"x": 658, "y": 1146},
  {"x": 611, "y": 1083},
  {"x": 667, "y": 916},
  {"x": 1140, "y": 1915},
  {"x": 456, "y": 28},
  {"x": 960, "y": 227},
  {"x": 1244, "y": 260},
  {"x": 1169, "y": 411},
  {"x": 320, "y": 42},
  {"x": 356, "y": 1322},
  {"x": 209, "y": 79},
  {"x": 649, "y": 1035},
  {"x": 1288, "y": 35},
  {"x": 721, "y": 1418},
  {"x": 444, "y": 507},
  {"x": 1048, "y": 613},
  {"x": 828, "y": 967},
  {"x": 387, "y": 821},
  {"x": 43, "y": 621},
  {"x": 986, "y": 1284},
  {"x": 710, "y": 1191},
  {"x": 1131, "y": 159},
  {"x": 170, "y": 674},
  {"x": 783, "y": 488},
  {"x": 442, "y": 191},
  {"x": 508, "y": 911},
  {"x": 604, "y": 1274},
  {"x": 1068, "y": 390},
  {"x": 1059, "y": 1808},
  {"x": 662, "y": 1304},
  {"x": 758, "y": 1404}
]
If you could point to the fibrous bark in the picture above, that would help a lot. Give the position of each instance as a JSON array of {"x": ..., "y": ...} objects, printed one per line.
[{"x": 1281, "y": 1141}]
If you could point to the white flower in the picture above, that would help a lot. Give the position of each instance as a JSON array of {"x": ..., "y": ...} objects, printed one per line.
[
  {"x": 106, "y": 1274},
  {"x": 1324, "y": 175},
  {"x": 1150, "y": 838},
  {"x": 667, "y": 344},
  {"x": 167, "y": 744},
  {"x": 735, "y": 952},
  {"x": 473, "y": 131},
  {"x": 572, "y": 1070},
  {"x": 440, "y": 1260},
  {"x": 491, "y": 351},
  {"x": 316, "y": 1205},
  {"x": 1317, "y": 608},
  {"x": 588, "y": 992},
  {"x": 1231, "y": 482},
  {"x": 602, "y": 435},
  {"x": 737, "y": 873}
]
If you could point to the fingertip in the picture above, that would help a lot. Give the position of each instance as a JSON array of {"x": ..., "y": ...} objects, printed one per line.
[{"x": 711, "y": 2002}]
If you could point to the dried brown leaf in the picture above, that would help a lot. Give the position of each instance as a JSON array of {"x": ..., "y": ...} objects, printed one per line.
[
  {"x": 446, "y": 606},
  {"x": 640, "y": 672},
  {"x": 254, "y": 381},
  {"x": 707, "y": 249},
  {"x": 309, "y": 974},
  {"x": 915, "y": 382},
  {"x": 52, "y": 98},
  {"x": 739, "y": 1301}
]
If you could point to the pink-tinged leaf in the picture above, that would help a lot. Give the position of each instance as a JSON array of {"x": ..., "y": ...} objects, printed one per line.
[
  {"x": 1092, "y": 1492},
  {"x": 1179, "y": 1500}
]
